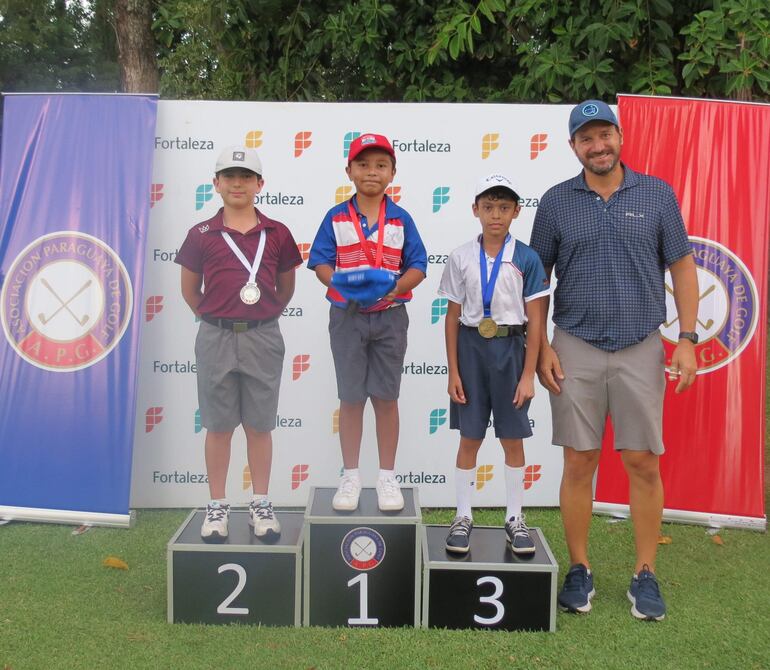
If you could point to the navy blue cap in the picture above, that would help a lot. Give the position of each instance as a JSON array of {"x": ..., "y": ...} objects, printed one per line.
[{"x": 590, "y": 110}]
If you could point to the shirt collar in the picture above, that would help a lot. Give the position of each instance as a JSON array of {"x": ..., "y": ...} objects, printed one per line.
[
  {"x": 217, "y": 222},
  {"x": 630, "y": 179}
]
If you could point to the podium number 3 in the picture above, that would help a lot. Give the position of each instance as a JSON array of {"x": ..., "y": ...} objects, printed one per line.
[
  {"x": 491, "y": 600},
  {"x": 224, "y": 607}
]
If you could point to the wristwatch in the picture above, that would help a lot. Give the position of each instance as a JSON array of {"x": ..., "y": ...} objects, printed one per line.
[{"x": 686, "y": 335}]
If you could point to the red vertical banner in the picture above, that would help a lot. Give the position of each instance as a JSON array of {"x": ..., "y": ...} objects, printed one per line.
[{"x": 716, "y": 156}]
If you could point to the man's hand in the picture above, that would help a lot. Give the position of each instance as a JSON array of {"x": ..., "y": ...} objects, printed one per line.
[
  {"x": 525, "y": 390},
  {"x": 455, "y": 389},
  {"x": 549, "y": 370},
  {"x": 683, "y": 366}
]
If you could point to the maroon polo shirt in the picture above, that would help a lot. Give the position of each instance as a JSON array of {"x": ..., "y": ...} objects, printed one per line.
[{"x": 205, "y": 252}]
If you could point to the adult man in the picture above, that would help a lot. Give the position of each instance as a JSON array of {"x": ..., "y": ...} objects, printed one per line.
[{"x": 609, "y": 233}]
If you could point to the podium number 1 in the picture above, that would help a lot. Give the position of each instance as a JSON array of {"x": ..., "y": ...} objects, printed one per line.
[
  {"x": 224, "y": 606},
  {"x": 491, "y": 600},
  {"x": 363, "y": 605}
]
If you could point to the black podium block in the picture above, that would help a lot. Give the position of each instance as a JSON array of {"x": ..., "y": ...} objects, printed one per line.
[
  {"x": 490, "y": 586},
  {"x": 361, "y": 567},
  {"x": 243, "y": 580}
]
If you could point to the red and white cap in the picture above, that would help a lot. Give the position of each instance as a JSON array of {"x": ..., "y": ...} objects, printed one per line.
[{"x": 369, "y": 141}]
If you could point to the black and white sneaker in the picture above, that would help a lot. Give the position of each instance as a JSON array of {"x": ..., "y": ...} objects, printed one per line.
[
  {"x": 263, "y": 519},
  {"x": 459, "y": 539},
  {"x": 517, "y": 534},
  {"x": 214, "y": 528}
]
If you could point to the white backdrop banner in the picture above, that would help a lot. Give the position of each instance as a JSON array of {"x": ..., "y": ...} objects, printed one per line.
[{"x": 442, "y": 150}]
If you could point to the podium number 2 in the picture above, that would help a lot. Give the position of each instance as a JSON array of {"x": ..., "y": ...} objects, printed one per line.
[
  {"x": 363, "y": 605},
  {"x": 491, "y": 600},
  {"x": 224, "y": 607}
]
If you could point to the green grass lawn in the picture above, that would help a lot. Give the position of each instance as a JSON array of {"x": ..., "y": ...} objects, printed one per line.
[{"x": 59, "y": 608}]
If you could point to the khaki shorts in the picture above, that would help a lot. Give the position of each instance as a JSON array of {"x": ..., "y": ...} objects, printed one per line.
[
  {"x": 368, "y": 350},
  {"x": 239, "y": 376},
  {"x": 628, "y": 385}
]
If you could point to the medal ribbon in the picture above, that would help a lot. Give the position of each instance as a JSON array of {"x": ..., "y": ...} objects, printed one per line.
[
  {"x": 488, "y": 286},
  {"x": 377, "y": 261},
  {"x": 253, "y": 267}
]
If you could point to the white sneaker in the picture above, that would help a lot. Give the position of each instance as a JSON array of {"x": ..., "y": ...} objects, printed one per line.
[
  {"x": 263, "y": 519},
  {"x": 389, "y": 498},
  {"x": 214, "y": 528},
  {"x": 346, "y": 498}
]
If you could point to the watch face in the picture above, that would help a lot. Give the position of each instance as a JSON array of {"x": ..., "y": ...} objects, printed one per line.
[
  {"x": 693, "y": 337},
  {"x": 363, "y": 548}
]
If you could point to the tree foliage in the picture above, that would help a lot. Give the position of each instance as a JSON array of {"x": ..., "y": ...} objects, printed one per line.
[{"x": 403, "y": 50}]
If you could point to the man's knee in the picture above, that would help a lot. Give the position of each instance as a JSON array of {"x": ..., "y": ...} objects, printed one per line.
[
  {"x": 580, "y": 465},
  {"x": 642, "y": 466}
]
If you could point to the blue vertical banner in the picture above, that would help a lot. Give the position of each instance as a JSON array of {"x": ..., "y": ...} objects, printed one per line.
[{"x": 75, "y": 178}]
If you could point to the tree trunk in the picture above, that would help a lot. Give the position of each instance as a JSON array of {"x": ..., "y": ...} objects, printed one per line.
[{"x": 136, "y": 46}]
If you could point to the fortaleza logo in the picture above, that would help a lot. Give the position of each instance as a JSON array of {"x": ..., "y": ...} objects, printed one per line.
[
  {"x": 253, "y": 139},
  {"x": 164, "y": 256},
  {"x": 342, "y": 194},
  {"x": 300, "y": 365},
  {"x": 304, "y": 250},
  {"x": 531, "y": 475},
  {"x": 152, "y": 417},
  {"x": 66, "y": 301},
  {"x": 484, "y": 474},
  {"x": 177, "y": 477},
  {"x": 424, "y": 146},
  {"x": 153, "y": 306},
  {"x": 394, "y": 193},
  {"x": 288, "y": 421},
  {"x": 436, "y": 419},
  {"x": 423, "y": 368},
  {"x": 728, "y": 307},
  {"x": 203, "y": 193},
  {"x": 197, "y": 425},
  {"x": 346, "y": 140},
  {"x": 421, "y": 478},
  {"x": 440, "y": 197},
  {"x": 174, "y": 367},
  {"x": 156, "y": 194},
  {"x": 537, "y": 144},
  {"x": 489, "y": 143},
  {"x": 184, "y": 143},
  {"x": 302, "y": 141},
  {"x": 438, "y": 259},
  {"x": 299, "y": 474},
  {"x": 335, "y": 422},
  {"x": 280, "y": 198},
  {"x": 438, "y": 308}
]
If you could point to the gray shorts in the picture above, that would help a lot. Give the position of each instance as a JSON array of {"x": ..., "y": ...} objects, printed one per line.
[
  {"x": 239, "y": 375},
  {"x": 628, "y": 385},
  {"x": 368, "y": 351}
]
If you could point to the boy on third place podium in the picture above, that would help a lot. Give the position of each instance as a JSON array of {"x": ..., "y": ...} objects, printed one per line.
[
  {"x": 238, "y": 275},
  {"x": 370, "y": 256},
  {"x": 496, "y": 287}
]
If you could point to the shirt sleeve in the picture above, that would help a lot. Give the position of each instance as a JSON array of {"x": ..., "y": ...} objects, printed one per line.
[
  {"x": 324, "y": 248},
  {"x": 543, "y": 239},
  {"x": 413, "y": 254},
  {"x": 190, "y": 254},
  {"x": 288, "y": 256},
  {"x": 452, "y": 284},
  {"x": 536, "y": 283},
  {"x": 674, "y": 241}
]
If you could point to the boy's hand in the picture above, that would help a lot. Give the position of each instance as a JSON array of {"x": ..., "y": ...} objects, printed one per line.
[
  {"x": 525, "y": 390},
  {"x": 455, "y": 389},
  {"x": 549, "y": 370}
]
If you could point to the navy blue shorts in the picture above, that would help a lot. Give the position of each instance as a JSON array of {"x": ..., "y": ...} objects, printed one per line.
[{"x": 490, "y": 370}]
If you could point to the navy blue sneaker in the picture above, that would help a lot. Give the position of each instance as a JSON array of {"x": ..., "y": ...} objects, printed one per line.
[
  {"x": 644, "y": 594},
  {"x": 577, "y": 590}
]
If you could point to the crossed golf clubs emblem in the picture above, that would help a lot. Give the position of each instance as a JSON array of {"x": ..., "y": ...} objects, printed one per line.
[
  {"x": 362, "y": 551},
  {"x": 64, "y": 304},
  {"x": 705, "y": 325}
]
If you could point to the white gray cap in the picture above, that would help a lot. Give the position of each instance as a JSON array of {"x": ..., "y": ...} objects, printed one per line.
[
  {"x": 239, "y": 157},
  {"x": 493, "y": 181}
]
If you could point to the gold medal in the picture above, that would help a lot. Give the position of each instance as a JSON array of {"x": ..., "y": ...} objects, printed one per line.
[
  {"x": 487, "y": 328},
  {"x": 250, "y": 293}
]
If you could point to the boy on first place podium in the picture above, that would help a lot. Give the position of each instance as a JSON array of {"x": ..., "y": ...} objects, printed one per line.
[{"x": 496, "y": 287}]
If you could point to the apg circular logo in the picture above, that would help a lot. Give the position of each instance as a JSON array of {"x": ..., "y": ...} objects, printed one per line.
[
  {"x": 590, "y": 109},
  {"x": 363, "y": 548},
  {"x": 66, "y": 301},
  {"x": 727, "y": 307}
]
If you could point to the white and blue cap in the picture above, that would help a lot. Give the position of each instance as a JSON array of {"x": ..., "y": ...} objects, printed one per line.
[
  {"x": 590, "y": 110},
  {"x": 494, "y": 181},
  {"x": 239, "y": 157}
]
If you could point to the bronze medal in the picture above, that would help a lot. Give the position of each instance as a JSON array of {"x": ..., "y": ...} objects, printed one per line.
[{"x": 487, "y": 328}]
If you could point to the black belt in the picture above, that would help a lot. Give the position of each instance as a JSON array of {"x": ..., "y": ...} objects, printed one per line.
[
  {"x": 504, "y": 331},
  {"x": 236, "y": 325}
]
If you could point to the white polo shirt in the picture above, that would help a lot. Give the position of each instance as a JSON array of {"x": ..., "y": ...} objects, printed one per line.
[{"x": 521, "y": 279}]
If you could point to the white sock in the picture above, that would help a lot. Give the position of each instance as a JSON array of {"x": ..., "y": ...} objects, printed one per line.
[
  {"x": 218, "y": 502},
  {"x": 514, "y": 491},
  {"x": 386, "y": 474},
  {"x": 352, "y": 472},
  {"x": 465, "y": 481},
  {"x": 258, "y": 497}
]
